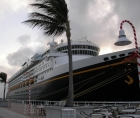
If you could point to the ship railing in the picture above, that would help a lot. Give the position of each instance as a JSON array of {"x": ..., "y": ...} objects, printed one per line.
[
  {"x": 40, "y": 102},
  {"x": 106, "y": 103},
  {"x": 78, "y": 103}
]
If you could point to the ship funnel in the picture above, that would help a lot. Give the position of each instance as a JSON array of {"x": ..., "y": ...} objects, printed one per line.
[{"x": 122, "y": 40}]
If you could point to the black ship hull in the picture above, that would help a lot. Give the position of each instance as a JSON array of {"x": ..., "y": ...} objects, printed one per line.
[{"x": 108, "y": 81}]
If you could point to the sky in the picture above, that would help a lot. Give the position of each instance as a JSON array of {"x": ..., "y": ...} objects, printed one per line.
[{"x": 98, "y": 20}]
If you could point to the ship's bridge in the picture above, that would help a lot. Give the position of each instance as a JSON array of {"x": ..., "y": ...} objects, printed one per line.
[{"x": 79, "y": 47}]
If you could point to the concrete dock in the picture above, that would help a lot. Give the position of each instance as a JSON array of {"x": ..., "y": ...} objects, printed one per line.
[{"x": 17, "y": 111}]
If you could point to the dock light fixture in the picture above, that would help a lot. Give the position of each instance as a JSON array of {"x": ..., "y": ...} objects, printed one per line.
[{"x": 124, "y": 41}]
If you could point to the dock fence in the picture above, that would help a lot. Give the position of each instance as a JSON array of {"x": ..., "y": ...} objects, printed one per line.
[{"x": 78, "y": 103}]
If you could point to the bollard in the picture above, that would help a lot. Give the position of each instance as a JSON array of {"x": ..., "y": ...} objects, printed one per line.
[
  {"x": 106, "y": 114},
  {"x": 68, "y": 113}
]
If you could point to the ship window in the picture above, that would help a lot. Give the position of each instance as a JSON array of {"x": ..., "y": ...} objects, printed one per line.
[
  {"x": 113, "y": 57},
  {"x": 75, "y": 51},
  {"x": 66, "y": 47},
  {"x": 85, "y": 51},
  {"x": 106, "y": 58},
  {"x": 80, "y": 51},
  {"x": 72, "y": 46},
  {"x": 121, "y": 55},
  {"x": 75, "y": 46},
  {"x": 96, "y": 49},
  {"x": 91, "y": 47},
  {"x": 89, "y": 52},
  {"x": 80, "y": 46},
  {"x": 83, "y": 46},
  {"x": 130, "y": 53}
]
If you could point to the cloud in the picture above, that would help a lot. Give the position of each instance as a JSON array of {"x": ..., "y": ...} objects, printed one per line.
[
  {"x": 20, "y": 56},
  {"x": 24, "y": 39},
  {"x": 100, "y": 20},
  {"x": 8, "y": 70},
  {"x": 16, "y": 59}
]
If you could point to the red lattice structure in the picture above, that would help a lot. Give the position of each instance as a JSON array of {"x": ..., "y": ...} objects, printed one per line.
[
  {"x": 131, "y": 59},
  {"x": 29, "y": 90}
]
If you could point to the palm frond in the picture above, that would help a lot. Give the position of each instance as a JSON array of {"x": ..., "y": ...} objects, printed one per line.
[
  {"x": 1, "y": 81},
  {"x": 53, "y": 9},
  {"x": 54, "y": 30},
  {"x": 37, "y": 23},
  {"x": 41, "y": 17},
  {"x": 3, "y": 77},
  {"x": 52, "y": 20}
]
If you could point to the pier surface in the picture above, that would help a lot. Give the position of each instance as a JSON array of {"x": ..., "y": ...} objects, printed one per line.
[{"x": 17, "y": 111}]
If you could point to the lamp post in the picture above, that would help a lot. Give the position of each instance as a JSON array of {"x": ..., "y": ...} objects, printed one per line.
[{"x": 122, "y": 40}]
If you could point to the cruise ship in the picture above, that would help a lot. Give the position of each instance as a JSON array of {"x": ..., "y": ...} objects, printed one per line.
[{"x": 96, "y": 77}]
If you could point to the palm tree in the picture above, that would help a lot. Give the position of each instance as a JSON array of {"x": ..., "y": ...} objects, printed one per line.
[
  {"x": 54, "y": 21},
  {"x": 3, "y": 77}
]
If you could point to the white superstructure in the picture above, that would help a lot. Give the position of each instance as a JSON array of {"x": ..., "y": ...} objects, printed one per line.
[{"x": 48, "y": 64}]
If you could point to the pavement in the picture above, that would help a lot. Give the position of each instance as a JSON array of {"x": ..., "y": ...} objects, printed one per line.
[
  {"x": 5, "y": 113},
  {"x": 17, "y": 110}
]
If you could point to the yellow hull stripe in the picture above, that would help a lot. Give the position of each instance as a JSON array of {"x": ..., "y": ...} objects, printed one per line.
[{"x": 78, "y": 73}]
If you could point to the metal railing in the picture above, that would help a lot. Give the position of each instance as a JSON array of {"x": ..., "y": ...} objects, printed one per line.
[{"x": 79, "y": 103}]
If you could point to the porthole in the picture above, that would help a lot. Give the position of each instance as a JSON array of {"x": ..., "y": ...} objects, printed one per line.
[
  {"x": 122, "y": 55},
  {"x": 113, "y": 57},
  {"x": 130, "y": 53},
  {"x": 106, "y": 59}
]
